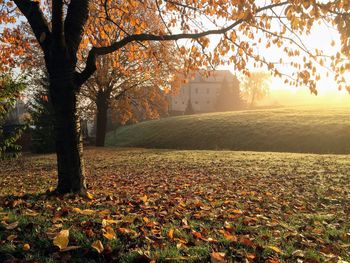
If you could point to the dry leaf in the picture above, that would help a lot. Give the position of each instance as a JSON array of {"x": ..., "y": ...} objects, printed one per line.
[
  {"x": 89, "y": 195},
  {"x": 109, "y": 233},
  {"x": 26, "y": 247},
  {"x": 12, "y": 225},
  {"x": 197, "y": 234},
  {"x": 11, "y": 237},
  {"x": 144, "y": 198},
  {"x": 83, "y": 212},
  {"x": 217, "y": 257},
  {"x": 298, "y": 254},
  {"x": 106, "y": 222},
  {"x": 98, "y": 246},
  {"x": 275, "y": 249},
  {"x": 171, "y": 233},
  {"x": 62, "y": 239},
  {"x": 70, "y": 248}
]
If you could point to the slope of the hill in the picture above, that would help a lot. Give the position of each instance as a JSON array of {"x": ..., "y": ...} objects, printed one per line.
[{"x": 301, "y": 129}]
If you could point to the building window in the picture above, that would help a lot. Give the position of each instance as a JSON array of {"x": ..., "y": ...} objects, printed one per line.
[
  {"x": 196, "y": 102},
  {"x": 196, "y": 90},
  {"x": 183, "y": 102},
  {"x": 175, "y": 102},
  {"x": 208, "y": 102}
]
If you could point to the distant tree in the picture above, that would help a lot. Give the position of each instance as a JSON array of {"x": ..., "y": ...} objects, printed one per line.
[
  {"x": 42, "y": 115},
  {"x": 256, "y": 86},
  {"x": 229, "y": 97},
  {"x": 127, "y": 83},
  {"x": 9, "y": 93},
  {"x": 189, "y": 108}
]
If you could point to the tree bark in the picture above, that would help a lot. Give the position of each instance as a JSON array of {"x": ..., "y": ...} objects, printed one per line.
[
  {"x": 69, "y": 147},
  {"x": 101, "y": 126}
]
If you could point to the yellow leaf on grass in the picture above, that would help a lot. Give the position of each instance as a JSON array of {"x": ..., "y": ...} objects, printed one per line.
[
  {"x": 144, "y": 198},
  {"x": 98, "y": 246},
  {"x": 89, "y": 195},
  {"x": 171, "y": 233},
  {"x": 26, "y": 247},
  {"x": 62, "y": 239},
  {"x": 87, "y": 212},
  {"x": 109, "y": 233},
  {"x": 106, "y": 222},
  {"x": 275, "y": 249},
  {"x": 83, "y": 212}
]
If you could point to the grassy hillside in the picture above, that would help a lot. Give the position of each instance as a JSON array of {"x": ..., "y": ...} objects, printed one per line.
[{"x": 284, "y": 130}]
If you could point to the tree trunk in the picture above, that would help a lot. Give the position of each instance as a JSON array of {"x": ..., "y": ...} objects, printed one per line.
[
  {"x": 101, "y": 126},
  {"x": 253, "y": 100},
  {"x": 69, "y": 147}
]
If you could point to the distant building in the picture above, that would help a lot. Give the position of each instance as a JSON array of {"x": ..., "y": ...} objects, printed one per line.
[
  {"x": 18, "y": 114},
  {"x": 203, "y": 92}
]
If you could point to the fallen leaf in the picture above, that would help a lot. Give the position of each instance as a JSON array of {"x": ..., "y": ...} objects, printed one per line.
[
  {"x": 298, "y": 253},
  {"x": 197, "y": 235},
  {"x": 11, "y": 237},
  {"x": 275, "y": 249},
  {"x": 250, "y": 256},
  {"x": 171, "y": 233},
  {"x": 26, "y": 247},
  {"x": 12, "y": 225},
  {"x": 98, "y": 246},
  {"x": 144, "y": 198},
  {"x": 70, "y": 248},
  {"x": 62, "y": 239},
  {"x": 83, "y": 212},
  {"x": 89, "y": 195},
  {"x": 217, "y": 257},
  {"x": 109, "y": 233},
  {"x": 246, "y": 241},
  {"x": 106, "y": 222}
]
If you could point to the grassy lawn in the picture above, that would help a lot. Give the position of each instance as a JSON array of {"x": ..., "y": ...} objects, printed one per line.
[
  {"x": 298, "y": 129},
  {"x": 180, "y": 206}
]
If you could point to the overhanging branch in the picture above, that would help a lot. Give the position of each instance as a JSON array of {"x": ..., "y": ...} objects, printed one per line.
[{"x": 98, "y": 51}]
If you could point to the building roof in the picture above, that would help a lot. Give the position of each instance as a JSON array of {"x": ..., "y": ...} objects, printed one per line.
[{"x": 212, "y": 76}]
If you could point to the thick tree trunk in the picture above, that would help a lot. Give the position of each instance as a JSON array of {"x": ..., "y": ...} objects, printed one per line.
[
  {"x": 71, "y": 175},
  {"x": 101, "y": 126}
]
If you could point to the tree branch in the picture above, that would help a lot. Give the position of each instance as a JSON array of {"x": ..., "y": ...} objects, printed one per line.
[
  {"x": 57, "y": 22},
  {"x": 37, "y": 21},
  {"x": 98, "y": 51},
  {"x": 77, "y": 15}
]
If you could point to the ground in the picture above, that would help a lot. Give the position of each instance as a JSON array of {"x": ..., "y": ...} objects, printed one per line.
[
  {"x": 288, "y": 129},
  {"x": 179, "y": 206}
]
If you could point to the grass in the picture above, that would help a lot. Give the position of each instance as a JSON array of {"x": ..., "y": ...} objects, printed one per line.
[
  {"x": 259, "y": 207},
  {"x": 303, "y": 129}
]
